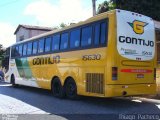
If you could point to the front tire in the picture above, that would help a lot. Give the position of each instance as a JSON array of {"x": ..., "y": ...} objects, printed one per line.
[
  {"x": 57, "y": 88},
  {"x": 1, "y": 79},
  {"x": 13, "y": 81}
]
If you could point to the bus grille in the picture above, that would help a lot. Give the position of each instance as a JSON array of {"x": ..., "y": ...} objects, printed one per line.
[{"x": 95, "y": 83}]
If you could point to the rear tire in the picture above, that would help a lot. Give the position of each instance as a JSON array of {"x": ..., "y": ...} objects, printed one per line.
[
  {"x": 71, "y": 89},
  {"x": 57, "y": 88}
]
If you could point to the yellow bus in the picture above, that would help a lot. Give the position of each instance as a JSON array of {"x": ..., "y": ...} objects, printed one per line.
[
  {"x": 158, "y": 61},
  {"x": 108, "y": 55}
]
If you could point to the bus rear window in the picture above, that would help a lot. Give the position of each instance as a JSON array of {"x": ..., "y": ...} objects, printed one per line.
[{"x": 135, "y": 36}]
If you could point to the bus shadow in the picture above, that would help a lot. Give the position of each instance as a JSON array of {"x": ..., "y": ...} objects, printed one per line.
[{"x": 44, "y": 100}]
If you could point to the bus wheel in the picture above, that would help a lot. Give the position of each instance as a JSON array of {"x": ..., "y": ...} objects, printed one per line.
[
  {"x": 71, "y": 89},
  {"x": 57, "y": 88},
  {"x": 13, "y": 81},
  {"x": 1, "y": 79}
]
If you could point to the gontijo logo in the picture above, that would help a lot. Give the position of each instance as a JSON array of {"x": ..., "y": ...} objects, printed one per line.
[{"x": 138, "y": 26}]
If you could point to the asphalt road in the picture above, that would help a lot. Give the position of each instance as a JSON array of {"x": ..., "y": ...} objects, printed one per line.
[{"x": 25, "y": 102}]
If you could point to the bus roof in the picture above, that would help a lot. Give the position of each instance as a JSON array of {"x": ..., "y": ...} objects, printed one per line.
[{"x": 89, "y": 20}]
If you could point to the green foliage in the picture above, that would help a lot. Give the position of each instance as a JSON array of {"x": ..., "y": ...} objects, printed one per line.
[
  {"x": 1, "y": 47},
  {"x": 1, "y": 54},
  {"x": 106, "y": 6},
  {"x": 62, "y": 25},
  {"x": 2, "y": 51},
  {"x": 146, "y": 7}
]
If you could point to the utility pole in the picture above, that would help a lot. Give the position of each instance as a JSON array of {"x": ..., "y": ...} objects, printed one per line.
[{"x": 94, "y": 7}]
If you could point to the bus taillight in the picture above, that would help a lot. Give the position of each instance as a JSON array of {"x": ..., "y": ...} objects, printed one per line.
[
  {"x": 154, "y": 73},
  {"x": 114, "y": 73}
]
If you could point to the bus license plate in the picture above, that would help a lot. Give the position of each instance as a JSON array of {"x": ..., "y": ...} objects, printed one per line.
[{"x": 140, "y": 75}]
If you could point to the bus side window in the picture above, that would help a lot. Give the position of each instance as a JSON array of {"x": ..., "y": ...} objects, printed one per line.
[
  {"x": 24, "y": 49},
  {"x": 20, "y": 50},
  {"x": 17, "y": 51},
  {"x": 13, "y": 51},
  {"x": 48, "y": 44},
  {"x": 55, "y": 42},
  {"x": 64, "y": 41},
  {"x": 86, "y": 36},
  {"x": 75, "y": 38},
  {"x": 96, "y": 34},
  {"x": 29, "y": 48},
  {"x": 103, "y": 33},
  {"x": 35, "y": 47},
  {"x": 41, "y": 46}
]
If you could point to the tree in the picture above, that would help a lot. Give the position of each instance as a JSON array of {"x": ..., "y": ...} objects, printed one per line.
[
  {"x": 2, "y": 51},
  {"x": 146, "y": 7},
  {"x": 106, "y": 6},
  {"x": 62, "y": 25},
  {"x": 149, "y": 8},
  {"x": 1, "y": 46}
]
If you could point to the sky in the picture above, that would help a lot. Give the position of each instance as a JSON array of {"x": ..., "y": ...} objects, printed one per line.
[{"x": 49, "y": 13}]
